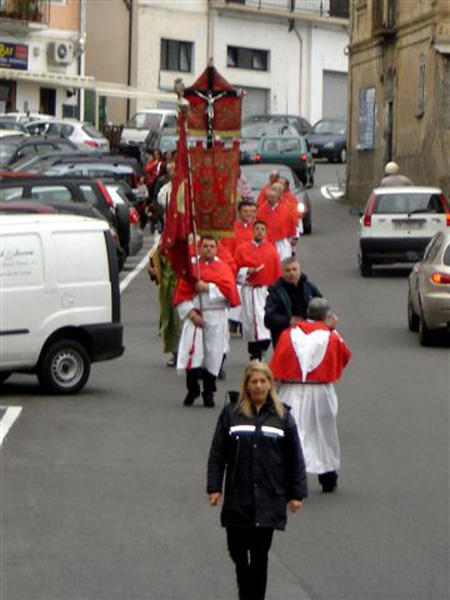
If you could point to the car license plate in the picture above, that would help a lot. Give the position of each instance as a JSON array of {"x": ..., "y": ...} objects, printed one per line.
[{"x": 409, "y": 224}]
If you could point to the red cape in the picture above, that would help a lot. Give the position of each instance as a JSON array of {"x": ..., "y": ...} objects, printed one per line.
[
  {"x": 262, "y": 194},
  {"x": 242, "y": 233},
  {"x": 285, "y": 365},
  {"x": 224, "y": 254},
  {"x": 250, "y": 254},
  {"x": 280, "y": 221},
  {"x": 216, "y": 272}
]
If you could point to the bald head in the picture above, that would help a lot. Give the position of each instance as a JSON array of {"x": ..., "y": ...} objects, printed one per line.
[{"x": 274, "y": 176}]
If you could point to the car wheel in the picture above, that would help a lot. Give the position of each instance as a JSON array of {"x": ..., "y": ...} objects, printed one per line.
[
  {"x": 425, "y": 335},
  {"x": 342, "y": 156},
  {"x": 64, "y": 367},
  {"x": 365, "y": 267},
  {"x": 413, "y": 319},
  {"x": 4, "y": 376}
]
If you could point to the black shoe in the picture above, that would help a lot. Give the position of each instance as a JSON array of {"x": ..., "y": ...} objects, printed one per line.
[
  {"x": 208, "y": 400},
  {"x": 190, "y": 399},
  {"x": 328, "y": 481}
]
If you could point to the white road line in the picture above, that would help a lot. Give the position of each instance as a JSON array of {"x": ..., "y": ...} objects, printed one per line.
[
  {"x": 331, "y": 191},
  {"x": 11, "y": 414},
  {"x": 134, "y": 273}
]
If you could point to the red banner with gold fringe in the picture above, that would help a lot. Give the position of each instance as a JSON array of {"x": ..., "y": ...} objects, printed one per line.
[{"x": 215, "y": 172}]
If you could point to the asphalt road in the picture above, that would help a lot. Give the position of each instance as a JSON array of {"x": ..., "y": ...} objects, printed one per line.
[{"x": 102, "y": 494}]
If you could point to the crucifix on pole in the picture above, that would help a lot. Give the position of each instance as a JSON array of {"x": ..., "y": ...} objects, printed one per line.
[{"x": 210, "y": 88}]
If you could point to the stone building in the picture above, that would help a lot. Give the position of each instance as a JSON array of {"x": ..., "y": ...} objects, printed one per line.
[{"x": 399, "y": 95}]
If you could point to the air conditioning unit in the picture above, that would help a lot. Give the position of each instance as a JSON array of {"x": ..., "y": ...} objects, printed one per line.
[{"x": 60, "y": 53}]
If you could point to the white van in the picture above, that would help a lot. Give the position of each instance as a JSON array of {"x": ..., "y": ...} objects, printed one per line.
[
  {"x": 59, "y": 298},
  {"x": 142, "y": 123}
]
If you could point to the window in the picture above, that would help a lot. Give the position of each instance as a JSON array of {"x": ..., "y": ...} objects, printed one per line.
[
  {"x": 11, "y": 194},
  {"x": 247, "y": 58},
  {"x": 421, "y": 104},
  {"x": 446, "y": 257},
  {"x": 54, "y": 193},
  {"x": 433, "y": 249},
  {"x": 392, "y": 204},
  {"x": 88, "y": 194},
  {"x": 176, "y": 56}
]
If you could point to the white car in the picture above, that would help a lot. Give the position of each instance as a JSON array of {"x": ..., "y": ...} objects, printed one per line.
[
  {"x": 143, "y": 122},
  {"x": 77, "y": 132},
  {"x": 25, "y": 117},
  {"x": 398, "y": 223}
]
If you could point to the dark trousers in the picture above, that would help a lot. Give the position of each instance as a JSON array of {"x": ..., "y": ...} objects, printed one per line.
[
  {"x": 249, "y": 549},
  {"x": 193, "y": 377},
  {"x": 257, "y": 349}
]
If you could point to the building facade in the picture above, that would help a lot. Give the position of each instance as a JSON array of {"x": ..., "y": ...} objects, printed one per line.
[
  {"x": 399, "y": 98},
  {"x": 289, "y": 56},
  {"x": 41, "y": 47}
]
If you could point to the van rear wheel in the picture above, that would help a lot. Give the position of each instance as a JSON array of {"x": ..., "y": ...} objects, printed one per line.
[{"x": 64, "y": 367}]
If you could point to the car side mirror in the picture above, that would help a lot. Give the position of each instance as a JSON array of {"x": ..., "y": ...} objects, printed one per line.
[{"x": 356, "y": 211}]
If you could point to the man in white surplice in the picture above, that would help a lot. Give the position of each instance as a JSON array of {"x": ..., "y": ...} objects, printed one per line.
[{"x": 308, "y": 357}]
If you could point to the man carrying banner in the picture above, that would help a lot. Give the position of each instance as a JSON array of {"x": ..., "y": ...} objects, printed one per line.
[
  {"x": 281, "y": 223},
  {"x": 258, "y": 266},
  {"x": 203, "y": 308},
  {"x": 308, "y": 358}
]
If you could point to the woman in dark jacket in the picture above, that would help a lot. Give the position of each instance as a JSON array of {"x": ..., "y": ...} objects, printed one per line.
[{"x": 257, "y": 445}]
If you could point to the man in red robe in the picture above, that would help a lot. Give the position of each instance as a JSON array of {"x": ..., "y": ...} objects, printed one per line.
[
  {"x": 203, "y": 309},
  {"x": 242, "y": 227},
  {"x": 280, "y": 221},
  {"x": 291, "y": 199},
  {"x": 308, "y": 358},
  {"x": 259, "y": 266},
  {"x": 262, "y": 197}
]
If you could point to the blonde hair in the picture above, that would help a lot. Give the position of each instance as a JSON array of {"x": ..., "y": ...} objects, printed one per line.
[{"x": 244, "y": 404}]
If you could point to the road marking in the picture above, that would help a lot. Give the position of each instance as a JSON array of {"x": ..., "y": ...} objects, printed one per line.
[
  {"x": 10, "y": 415},
  {"x": 134, "y": 273},
  {"x": 138, "y": 268},
  {"x": 332, "y": 191}
]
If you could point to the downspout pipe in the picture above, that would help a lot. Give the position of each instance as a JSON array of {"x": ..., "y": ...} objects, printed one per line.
[{"x": 300, "y": 89}]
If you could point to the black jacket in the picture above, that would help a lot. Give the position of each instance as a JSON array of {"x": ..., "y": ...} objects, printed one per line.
[
  {"x": 264, "y": 467},
  {"x": 278, "y": 311}
]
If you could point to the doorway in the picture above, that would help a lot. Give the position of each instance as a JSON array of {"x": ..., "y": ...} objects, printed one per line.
[
  {"x": 47, "y": 101},
  {"x": 7, "y": 96}
]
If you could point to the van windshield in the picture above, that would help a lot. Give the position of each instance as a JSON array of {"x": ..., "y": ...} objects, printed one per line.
[{"x": 144, "y": 121}]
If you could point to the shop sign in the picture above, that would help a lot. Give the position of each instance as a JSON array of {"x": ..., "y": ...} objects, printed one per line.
[{"x": 13, "y": 56}]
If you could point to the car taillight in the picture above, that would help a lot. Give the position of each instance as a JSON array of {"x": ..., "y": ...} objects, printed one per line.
[
  {"x": 258, "y": 157},
  {"x": 446, "y": 207},
  {"x": 134, "y": 216},
  {"x": 367, "y": 217},
  {"x": 134, "y": 180},
  {"x": 440, "y": 278},
  {"x": 91, "y": 143},
  {"x": 303, "y": 157},
  {"x": 106, "y": 196}
]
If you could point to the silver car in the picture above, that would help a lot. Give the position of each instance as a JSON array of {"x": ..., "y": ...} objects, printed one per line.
[
  {"x": 429, "y": 290},
  {"x": 78, "y": 132}
]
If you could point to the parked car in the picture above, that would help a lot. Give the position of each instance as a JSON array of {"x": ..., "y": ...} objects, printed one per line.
[
  {"x": 64, "y": 270},
  {"x": 258, "y": 175},
  {"x": 429, "y": 290},
  {"x": 290, "y": 151},
  {"x": 77, "y": 132},
  {"x": 398, "y": 223},
  {"x": 119, "y": 195},
  {"x": 10, "y": 125},
  {"x": 68, "y": 191},
  {"x": 17, "y": 145},
  {"x": 25, "y": 117},
  {"x": 328, "y": 139},
  {"x": 252, "y": 134},
  {"x": 135, "y": 132},
  {"x": 301, "y": 124}
]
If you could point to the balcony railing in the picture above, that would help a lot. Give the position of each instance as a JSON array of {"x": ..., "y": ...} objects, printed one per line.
[
  {"x": 322, "y": 8},
  {"x": 31, "y": 11}
]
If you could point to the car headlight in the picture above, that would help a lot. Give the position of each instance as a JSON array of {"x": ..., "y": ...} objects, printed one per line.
[
  {"x": 301, "y": 208},
  {"x": 329, "y": 145}
]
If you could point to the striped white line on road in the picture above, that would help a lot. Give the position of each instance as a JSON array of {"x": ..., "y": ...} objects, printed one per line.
[
  {"x": 138, "y": 268},
  {"x": 7, "y": 421},
  {"x": 332, "y": 191}
]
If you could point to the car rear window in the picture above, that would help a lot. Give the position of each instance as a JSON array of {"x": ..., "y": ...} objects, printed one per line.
[
  {"x": 392, "y": 204},
  {"x": 11, "y": 194},
  {"x": 91, "y": 131},
  {"x": 51, "y": 193},
  {"x": 446, "y": 257},
  {"x": 88, "y": 194}
]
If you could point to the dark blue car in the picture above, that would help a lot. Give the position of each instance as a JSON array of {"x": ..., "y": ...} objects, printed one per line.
[{"x": 328, "y": 139}]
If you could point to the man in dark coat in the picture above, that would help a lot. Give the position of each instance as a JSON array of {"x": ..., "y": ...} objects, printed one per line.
[{"x": 288, "y": 299}]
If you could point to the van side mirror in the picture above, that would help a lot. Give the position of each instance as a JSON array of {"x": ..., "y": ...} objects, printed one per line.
[{"x": 356, "y": 211}]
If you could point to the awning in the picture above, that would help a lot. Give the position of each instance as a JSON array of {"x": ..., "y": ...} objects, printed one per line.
[{"x": 102, "y": 88}]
